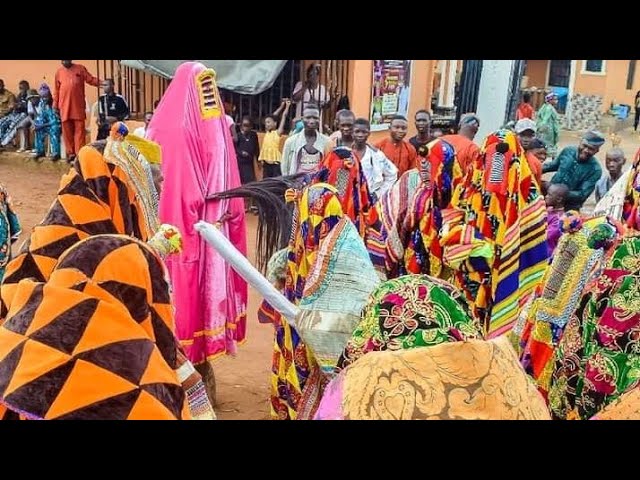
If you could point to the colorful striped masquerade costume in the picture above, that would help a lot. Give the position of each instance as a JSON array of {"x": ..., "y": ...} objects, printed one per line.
[
  {"x": 630, "y": 208},
  {"x": 598, "y": 359},
  {"x": 342, "y": 169},
  {"x": 494, "y": 237},
  {"x": 317, "y": 212},
  {"x": 199, "y": 160},
  {"x": 440, "y": 174},
  {"x": 337, "y": 288},
  {"x": 392, "y": 208},
  {"x": 95, "y": 341}
]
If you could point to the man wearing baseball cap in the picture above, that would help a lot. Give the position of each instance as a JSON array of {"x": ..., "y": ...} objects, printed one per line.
[{"x": 526, "y": 131}]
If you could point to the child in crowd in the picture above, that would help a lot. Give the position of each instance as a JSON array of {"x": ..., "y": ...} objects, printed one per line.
[
  {"x": 555, "y": 200},
  {"x": 270, "y": 154}
]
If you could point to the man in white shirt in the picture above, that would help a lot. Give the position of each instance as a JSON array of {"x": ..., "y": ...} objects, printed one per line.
[
  {"x": 142, "y": 131},
  {"x": 380, "y": 172},
  {"x": 303, "y": 152}
]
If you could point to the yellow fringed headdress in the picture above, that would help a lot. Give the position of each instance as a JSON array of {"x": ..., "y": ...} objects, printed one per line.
[{"x": 151, "y": 151}]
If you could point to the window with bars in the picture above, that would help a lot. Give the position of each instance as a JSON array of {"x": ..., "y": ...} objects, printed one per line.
[{"x": 143, "y": 90}]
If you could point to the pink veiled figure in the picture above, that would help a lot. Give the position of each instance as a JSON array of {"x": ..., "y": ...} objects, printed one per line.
[{"x": 199, "y": 160}]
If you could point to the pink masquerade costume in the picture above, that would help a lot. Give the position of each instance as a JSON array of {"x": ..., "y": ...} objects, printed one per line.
[{"x": 199, "y": 160}]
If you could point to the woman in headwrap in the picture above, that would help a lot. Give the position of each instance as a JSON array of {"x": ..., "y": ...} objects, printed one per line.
[
  {"x": 548, "y": 124},
  {"x": 198, "y": 161},
  {"x": 597, "y": 359},
  {"x": 97, "y": 196},
  {"x": 440, "y": 174},
  {"x": 96, "y": 340},
  {"x": 495, "y": 237},
  {"x": 10, "y": 228},
  {"x": 417, "y": 342}
]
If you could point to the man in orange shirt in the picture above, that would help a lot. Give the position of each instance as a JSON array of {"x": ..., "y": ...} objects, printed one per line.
[
  {"x": 466, "y": 151},
  {"x": 526, "y": 131},
  {"x": 401, "y": 153},
  {"x": 69, "y": 101}
]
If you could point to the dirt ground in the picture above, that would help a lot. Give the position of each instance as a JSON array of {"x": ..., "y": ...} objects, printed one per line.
[{"x": 242, "y": 381}]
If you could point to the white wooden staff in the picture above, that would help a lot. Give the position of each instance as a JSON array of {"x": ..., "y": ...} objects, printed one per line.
[{"x": 243, "y": 267}]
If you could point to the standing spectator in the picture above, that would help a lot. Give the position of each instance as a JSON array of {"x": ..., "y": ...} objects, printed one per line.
[
  {"x": 526, "y": 131},
  {"x": 343, "y": 136},
  {"x": 10, "y": 123},
  {"x": 142, "y": 131},
  {"x": 247, "y": 150},
  {"x": 112, "y": 108},
  {"x": 270, "y": 155},
  {"x": 466, "y": 150},
  {"x": 396, "y": 148},
  {"x": 303, "y": 152},
  {"x": 311, "y": 92},
  {"x": 423, "y": 126},
  {"x": 525, "y": 110},
  {"x": 578, "y": 168},
  {"x": 47, "y": 125},
  {"x": 379, "y": 171},
  {"x": 549, "y": 124},
  {"x": 614, "y": 161},
  {"x": 69, "y": 101}
]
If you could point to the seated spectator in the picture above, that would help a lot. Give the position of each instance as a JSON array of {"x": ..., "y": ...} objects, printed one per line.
[
  {"x": 28, "y": 123},
  {"x": 11, "y": 122}
]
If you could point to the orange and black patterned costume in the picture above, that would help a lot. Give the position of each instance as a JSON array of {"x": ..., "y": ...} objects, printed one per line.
[
  {"x": 94, "y": 198},
  {"x": 96, "y": 340}
]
